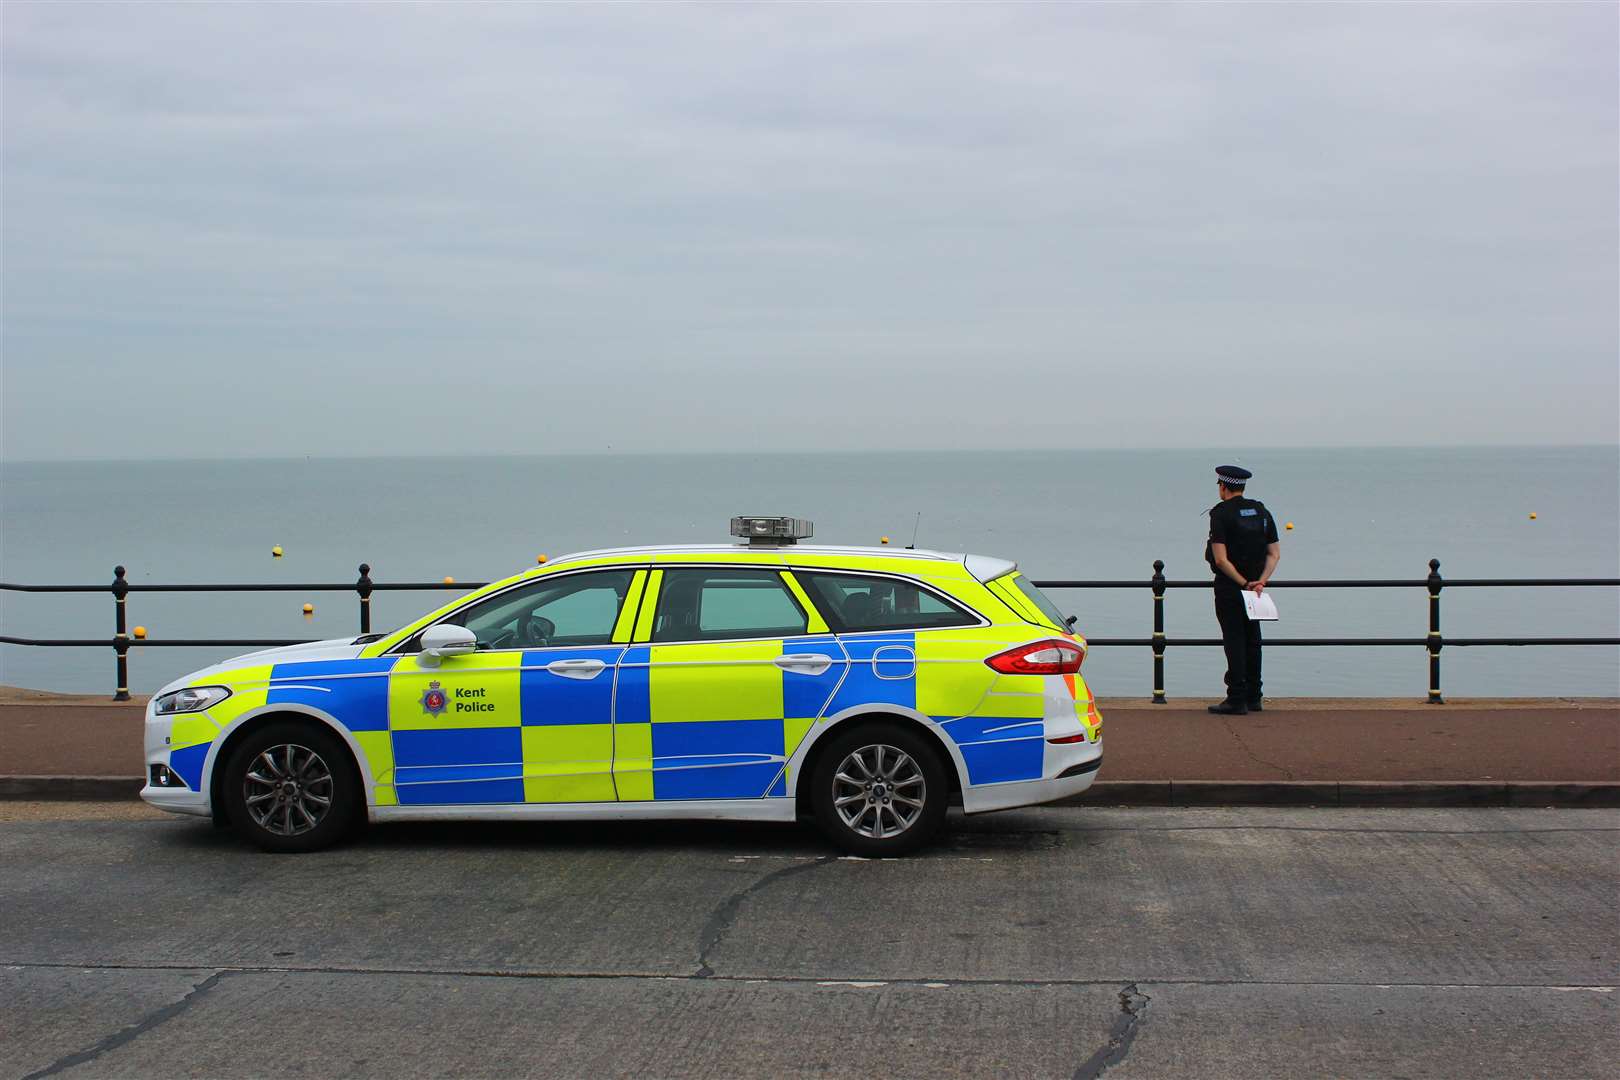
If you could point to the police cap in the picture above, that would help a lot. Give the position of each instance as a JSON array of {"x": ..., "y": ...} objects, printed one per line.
[{"x": 1233, "y": 476}]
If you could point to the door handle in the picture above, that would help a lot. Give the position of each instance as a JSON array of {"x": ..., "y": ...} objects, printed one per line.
[
  {"x": 804, "y": 663},
  {"x": 576, "y": 669}
]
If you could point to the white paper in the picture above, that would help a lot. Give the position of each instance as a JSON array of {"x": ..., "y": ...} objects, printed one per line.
[{"x": 1261, "y": 607}]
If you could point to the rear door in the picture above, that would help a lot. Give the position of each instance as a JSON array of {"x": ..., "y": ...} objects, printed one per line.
[
  {"x": 731, "y": 667},
  {"x": 912, "y": 646}
]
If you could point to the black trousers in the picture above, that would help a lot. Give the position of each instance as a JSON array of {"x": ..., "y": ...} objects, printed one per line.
[{"x": 1240, "y": 635}]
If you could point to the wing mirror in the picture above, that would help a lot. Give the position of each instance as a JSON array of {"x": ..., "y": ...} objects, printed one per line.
[{"x": 446, "y": 639}]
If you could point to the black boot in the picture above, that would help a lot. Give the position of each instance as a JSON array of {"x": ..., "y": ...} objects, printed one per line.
[
  {"x": 1255, "y": 705},
  {"x": 1229, "y": 708}
]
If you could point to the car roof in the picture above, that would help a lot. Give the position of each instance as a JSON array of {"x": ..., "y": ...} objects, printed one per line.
[
  {"x": 766, "y": 551},
  {"x": 923, "y": 561}
]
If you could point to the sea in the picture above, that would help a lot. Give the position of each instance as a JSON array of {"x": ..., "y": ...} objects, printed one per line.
[{"x": 1093, "y": 514}]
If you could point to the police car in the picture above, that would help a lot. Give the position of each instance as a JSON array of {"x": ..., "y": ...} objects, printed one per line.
[{"x": 864, "y": 688}]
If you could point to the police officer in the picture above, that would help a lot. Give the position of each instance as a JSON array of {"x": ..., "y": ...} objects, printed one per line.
[{"x": 1242, "y": 551}]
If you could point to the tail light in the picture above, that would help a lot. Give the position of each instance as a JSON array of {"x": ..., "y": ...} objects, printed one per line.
[{"x": 1052, "y": 656}]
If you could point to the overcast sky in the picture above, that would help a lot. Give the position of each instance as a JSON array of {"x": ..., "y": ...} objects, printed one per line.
[{"x": 329, "y": 229}]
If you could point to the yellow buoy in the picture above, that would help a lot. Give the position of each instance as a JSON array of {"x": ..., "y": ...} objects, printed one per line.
[
  {"x": 275, "y": 552},
  {"x": 540, "y": 560},
  {"x": 448, "y": 580},
  {"x": 883, "y": 539},
  {"x": 309, "y": 609},
  {"x": 140, "y": 631},
  {"x": 1532, "y": 515},
  {"x": 1290, "y": 525}
]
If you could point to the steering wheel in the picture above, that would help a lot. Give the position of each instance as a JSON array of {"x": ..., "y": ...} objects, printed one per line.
[{"x": 535, "y": 631}]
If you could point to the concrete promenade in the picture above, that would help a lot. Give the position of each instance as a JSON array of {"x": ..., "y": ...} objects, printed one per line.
[
  {"x": 1363, "y": 751},
  {"x": 1229, "y": 944}
]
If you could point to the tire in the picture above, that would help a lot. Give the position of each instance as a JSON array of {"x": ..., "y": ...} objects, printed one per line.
[
  {"x": 278, "y": 807},
  {"x": 886, "y": 790}
]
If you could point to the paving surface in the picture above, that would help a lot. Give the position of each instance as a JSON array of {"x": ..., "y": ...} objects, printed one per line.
[
  {"x": 1305, "y": 739},
  {"x": 1064, "y": 943}
]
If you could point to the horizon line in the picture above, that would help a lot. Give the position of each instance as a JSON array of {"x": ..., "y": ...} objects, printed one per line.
[{"x": 784, "y": 450}]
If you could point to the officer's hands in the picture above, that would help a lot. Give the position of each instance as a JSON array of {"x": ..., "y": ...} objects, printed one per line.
[{"x": 1256, "y": 587}]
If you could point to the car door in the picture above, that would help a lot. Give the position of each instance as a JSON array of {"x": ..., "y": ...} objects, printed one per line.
[
  {"x": 731, "y": 668},
  {"x": 529, "y": 716},
  {"x": 914, "y": 647}
]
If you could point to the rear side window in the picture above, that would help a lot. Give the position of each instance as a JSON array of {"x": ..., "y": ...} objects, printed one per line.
[
  {"x": 715, "y": 603},
  {"x": 852, "y": 602},
  {"x": 1038, "y": 598}
]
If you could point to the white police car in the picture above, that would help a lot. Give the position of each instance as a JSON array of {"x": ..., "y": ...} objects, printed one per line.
[{"x": 867, "y": 688}]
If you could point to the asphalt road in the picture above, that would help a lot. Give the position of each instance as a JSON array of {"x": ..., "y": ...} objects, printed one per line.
[{"x": 1063, "y": 943}]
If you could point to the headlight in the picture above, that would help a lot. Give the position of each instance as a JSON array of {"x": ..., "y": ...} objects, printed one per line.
[{"x": 191, "y": 699}]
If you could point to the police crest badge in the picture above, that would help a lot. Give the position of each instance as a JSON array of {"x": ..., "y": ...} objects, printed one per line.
[{"x": 434, "y": 699}]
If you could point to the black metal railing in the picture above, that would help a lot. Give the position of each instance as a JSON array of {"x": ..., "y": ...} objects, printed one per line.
[
  {"x": 121, "y": 642},
  {"x": 1432, "y": 642}
]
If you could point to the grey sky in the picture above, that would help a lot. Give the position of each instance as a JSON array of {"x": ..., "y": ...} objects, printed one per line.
[{"x": 245, "y": 230}]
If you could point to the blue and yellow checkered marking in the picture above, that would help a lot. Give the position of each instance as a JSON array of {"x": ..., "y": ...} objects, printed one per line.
[
  {"x": 548, "y": 698},
  {"x": 354, "y": 692},
  {"x": 567, "y": 728},
  {"x": 192, "y": 735},
  {"x": 998, "y": 749},
  {"x": 715, "y": 720},
  {"x": 187, "y": 763},
  {"x": 882, "y": 670},
  {"x": 999, "y": 761},
  {"x": 511, "y": 730}
]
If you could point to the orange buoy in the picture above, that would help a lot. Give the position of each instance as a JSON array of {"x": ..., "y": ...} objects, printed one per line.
[
  {"x": 140, "y": 631},
  {"x": 540, "y": 560},
  {"x": 448, "y": 580},
  {"x": 275, "y": 552},
  {"x": 1532, "y": 515},
  {"x": 1290, "y": 525},
  {"x": 883, "y": 539},
  {"x": 309, "y": 609}
]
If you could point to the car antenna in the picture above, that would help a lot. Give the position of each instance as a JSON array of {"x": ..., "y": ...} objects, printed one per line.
[{"x": 914, "y": 527}]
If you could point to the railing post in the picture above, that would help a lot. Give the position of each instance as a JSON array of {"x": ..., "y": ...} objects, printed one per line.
[
  {"x": 363, "y": 587},
  {"x": 1158, "y": 632},
  {"x": 120, "y": 591},
  {"x": 1435, "y": 640}
]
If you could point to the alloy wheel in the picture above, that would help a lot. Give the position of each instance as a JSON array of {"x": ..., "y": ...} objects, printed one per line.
[
  {"x": 879, "y": 791},
  {"x": 288, "y": 789}
]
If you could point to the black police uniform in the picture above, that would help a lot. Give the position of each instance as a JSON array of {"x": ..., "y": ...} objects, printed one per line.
[{"x": 1246, "y": 527}]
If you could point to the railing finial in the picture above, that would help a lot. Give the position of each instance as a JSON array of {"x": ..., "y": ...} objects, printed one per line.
[{"x": 364, "y": 587}]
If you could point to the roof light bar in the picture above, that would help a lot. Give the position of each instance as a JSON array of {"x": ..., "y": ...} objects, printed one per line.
[{"x": 772, "y": 530}]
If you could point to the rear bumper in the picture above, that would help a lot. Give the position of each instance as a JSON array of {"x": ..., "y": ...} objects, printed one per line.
[{"x": 1072, "y": 781}]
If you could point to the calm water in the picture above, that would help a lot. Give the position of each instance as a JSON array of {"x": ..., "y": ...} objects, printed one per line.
[{"x": 1098, "y": 514}]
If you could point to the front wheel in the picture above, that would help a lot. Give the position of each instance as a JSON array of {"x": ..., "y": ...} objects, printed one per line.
[
  {"x": 879, "y": 790},
  {"x": 289, "y": 786}
]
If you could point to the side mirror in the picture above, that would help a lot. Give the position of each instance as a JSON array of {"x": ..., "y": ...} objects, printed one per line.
[
  {"x": 446, "y": 639},
  {"x": 1070, "y": 621}
]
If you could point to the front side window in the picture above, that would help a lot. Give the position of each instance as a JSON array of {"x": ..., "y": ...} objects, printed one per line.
[
  {"x": 578, "y": 609},
  {"x": 852, "y": 603},
  {"x": 716, "y": 603}
]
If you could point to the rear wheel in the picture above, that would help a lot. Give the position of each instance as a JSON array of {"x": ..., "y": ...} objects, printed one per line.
[
  {"x": 879, "y": 790},
  {"x": 291, "y": 786}
]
